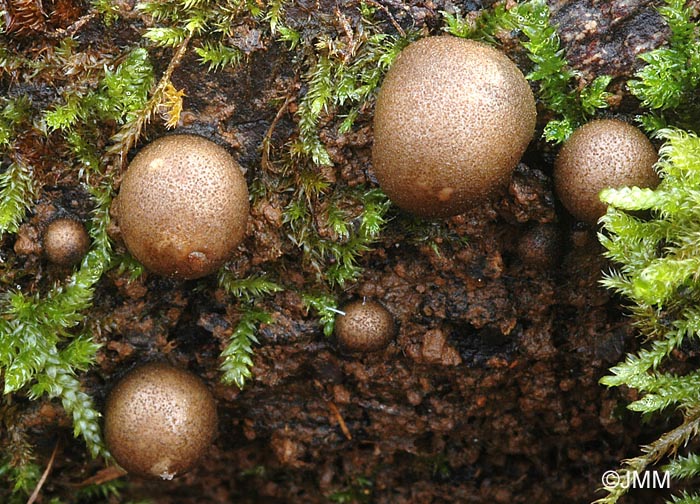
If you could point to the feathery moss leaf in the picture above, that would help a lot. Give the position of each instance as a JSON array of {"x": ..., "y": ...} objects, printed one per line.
[
  {"x": 237, "y": 356},
  {"x": 17, "y": 190},
  {"x": 658, "y": 259},
  {"x": 327, "y": 308},
  {"x": 249, "y": 288},
  {"x": 668, "y": 82}
]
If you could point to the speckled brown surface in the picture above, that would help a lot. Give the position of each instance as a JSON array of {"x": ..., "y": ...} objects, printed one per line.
[
  {"x": 65, "y": 241},
  {"x": 159, "y": 421},
  {"x": 600, "y": 154},
  {"x": 452, "y": 119},
  {"x": 182, "y": 206},
  {"x": 364, "y": 325},
  {"x": 489, "y": 392}
]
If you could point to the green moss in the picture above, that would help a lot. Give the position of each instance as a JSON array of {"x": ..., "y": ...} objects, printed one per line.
[
  {"x": 44, "y": 348},
  {"x": 553, "y": 74},
  {"x": 45, "y": 337},
  {"x": 237, "y": 356},
  {"x": 337, "y": 83},
  {"x": 17, "y": 189},
  {"x": 101, "y": 108},
  {"x": 334, "y": 250},
  {"x": 248, "y": 292},
  {"x": 120, "y": 95},
  {"x": 326, "y": 306},
  {"x": 554, "y": 78},
  {"x": 657, "y": 260},
  {"x": 218, "y": 55},
  {"x": 667, "y": 84},
  {"x": 359, "y": 491}
]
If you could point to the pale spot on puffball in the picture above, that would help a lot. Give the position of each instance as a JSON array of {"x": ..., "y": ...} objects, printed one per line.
[
  {"x": 445, "y": 193},
  {"x": 156, "y": 164},
  {"x": 197, "y": 256}
]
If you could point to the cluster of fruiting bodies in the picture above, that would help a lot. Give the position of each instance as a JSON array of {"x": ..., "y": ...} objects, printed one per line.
[{"x": 453, "y": 118}]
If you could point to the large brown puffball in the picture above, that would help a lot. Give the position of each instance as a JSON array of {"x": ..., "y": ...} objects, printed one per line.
[
  {"x": 601, "y": 154},
  {"x": 452, "y": 120},
  {"x": 182, "y": 206},
  {"x": 159, "y": 421}
]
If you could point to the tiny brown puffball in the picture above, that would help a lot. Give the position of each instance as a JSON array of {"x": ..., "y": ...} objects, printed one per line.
[
  {"x": 65, "y": 241},
  {"x": 540, "y": 246},
  {"x": 365, "y": 326},
  {"x": 601, "y": 154},
  {"x": 159, "y": 421}
]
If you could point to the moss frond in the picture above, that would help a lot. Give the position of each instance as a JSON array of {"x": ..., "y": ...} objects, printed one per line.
[
  {"x": 217, "y": 55},
  {"x": 249, "y": 288},
  {"x": 130, "y": 132},
  {"x": 657, "y": 270},
  {"x": 668, "y": 82},
  {"x": 685, "y": 498},
  {"x": 237, "y": 356},
  {"x": 312, "y": 105},
  {"x": 38, "y": 344},
  {"x": 274, "y": 15},
  {"x": 333, "y": 242},
  {"x": 684, "y": 467},
  {"x": 335, "y": 82},
  {"x": 553, "y": 74},
  {"x": 24, "y": 473},
  {"x": 65, "y": 115},
  {"x": 119, "y": 96},
  {"x": 459, "y": 26},
  {"x": 671, "y": 72},
  {"x": 17, "y": 191},
  {"x": 124, "y": 90},
  {"x": 58, "y": 381},
  {"x": 14, "y": 111},
  {"x": 166, "y": 36},
  {"x": 108, "y": 11},
  {"x": 326, "y": 306}
]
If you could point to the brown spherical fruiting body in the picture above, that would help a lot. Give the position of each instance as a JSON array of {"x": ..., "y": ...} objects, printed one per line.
[
  {"x": 540, "y": 246},
  {"x": 452, "y": 120},
  {"x": 182, "y": 206},
  {"x": 601, "y": 154},
  {"x": 159, "y": 421},
  {"x": 65, "y": 241},
  {"x": 366, "y": 326}
]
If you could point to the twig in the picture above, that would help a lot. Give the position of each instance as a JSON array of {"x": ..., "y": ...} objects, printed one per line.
[
  {"x": 341, "y": 422},
  {"x": 129, "y": 134},
  {"x": 389, "y": 15},
  {"x": 265, "y": 161},
  {"x": 102, "y": 476},
  {"x": 42, "y": 480}
]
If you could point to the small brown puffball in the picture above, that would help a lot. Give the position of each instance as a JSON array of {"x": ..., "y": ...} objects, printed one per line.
[
  {"x": 365, "y": 326},
  {"x": 601, "y": 154},
  {"x": 182, "y": 206},
  {"x": 65, "y": 241}
]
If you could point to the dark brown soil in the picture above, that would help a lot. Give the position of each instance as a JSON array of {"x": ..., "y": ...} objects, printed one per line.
[{"x": 490, "y": 391}]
